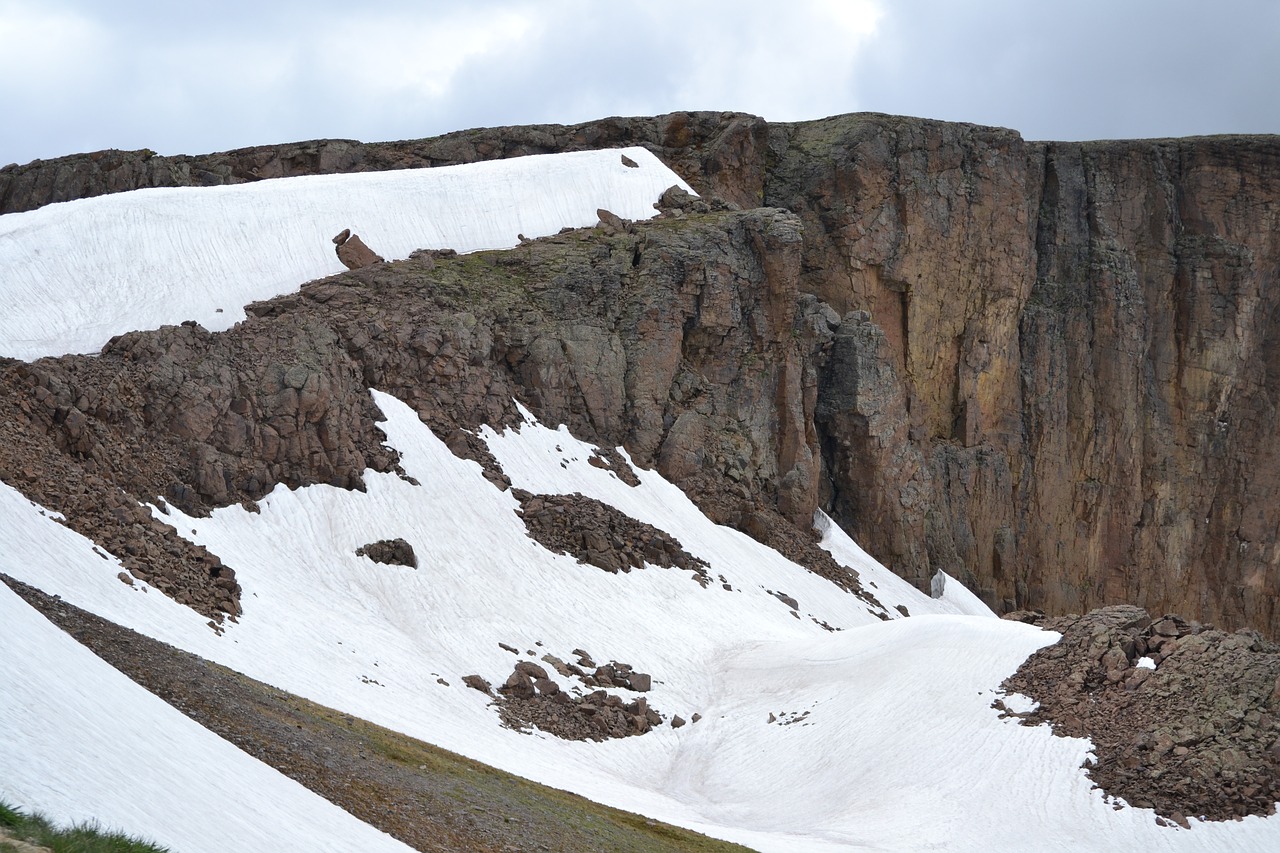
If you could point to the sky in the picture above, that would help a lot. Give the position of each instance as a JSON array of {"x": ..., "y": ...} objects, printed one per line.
[{"x": 83, "y": 75}]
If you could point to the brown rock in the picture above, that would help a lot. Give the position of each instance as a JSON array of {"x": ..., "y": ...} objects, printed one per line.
[
  {"x": 355, "y": 255},
  {"x": 394, "y": 552},
  {"x": 531, "y": 669},
  {"x": 475, "y": 682},
  {"x": 609, "y": 219}
]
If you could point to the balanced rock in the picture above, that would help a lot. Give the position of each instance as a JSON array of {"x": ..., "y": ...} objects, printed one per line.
[{"x": 353, "y": 252}]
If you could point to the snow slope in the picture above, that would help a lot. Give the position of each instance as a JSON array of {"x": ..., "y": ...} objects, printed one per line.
[
  {"x": 900, "y": 749},
  {"x": 84, "y": 743},
  {"x": 79, "y": 272}
]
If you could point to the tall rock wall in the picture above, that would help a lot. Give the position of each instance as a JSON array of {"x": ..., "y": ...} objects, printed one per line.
[
  {"x": 1055, "y": 375},
  {"x": 1061, "y": 383}
]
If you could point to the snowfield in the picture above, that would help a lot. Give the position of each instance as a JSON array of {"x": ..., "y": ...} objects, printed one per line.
[
  {"x": 84, "y": 743},
  {"x": 80, "y": 272},
  {"x": 883, "y": 734},
  {"x": 878, "y": 735}
]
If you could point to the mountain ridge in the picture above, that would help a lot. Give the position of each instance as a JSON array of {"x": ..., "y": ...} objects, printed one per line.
[
  {"x": 710, "y": 353},
  {"x": 1059, "y": 350}
]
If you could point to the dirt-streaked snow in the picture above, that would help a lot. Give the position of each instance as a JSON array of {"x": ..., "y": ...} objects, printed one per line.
[{"x": 79, "y": 272}]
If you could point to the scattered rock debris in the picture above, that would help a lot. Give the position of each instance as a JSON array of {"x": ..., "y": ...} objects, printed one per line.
[
  {"x": 787, "y": 718},
  {"x": 609, "y": 459},
  {"x": 531, "y": 699},
  {"x": 785, "y": 599},
  {"x": 1197, "y": 736}
]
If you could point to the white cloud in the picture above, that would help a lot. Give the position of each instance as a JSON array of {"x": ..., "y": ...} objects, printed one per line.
[
  {"x": 399, "y": 55},
  {"x": 47, "y": 50}
]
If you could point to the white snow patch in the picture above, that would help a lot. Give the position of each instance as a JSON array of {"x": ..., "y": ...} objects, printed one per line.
[
  {"x": 83, "y": 743},
  {"x": 1019, "y": 703},
  {"x": 79, "y": 272},
  {"x": 1145, "y": 663}
]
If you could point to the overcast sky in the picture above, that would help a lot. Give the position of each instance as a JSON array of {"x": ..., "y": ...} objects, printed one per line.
[{"x": 82, "y": 75}]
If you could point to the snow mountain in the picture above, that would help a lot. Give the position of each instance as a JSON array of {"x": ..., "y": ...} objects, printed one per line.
[{"x": 437, "y": 495}]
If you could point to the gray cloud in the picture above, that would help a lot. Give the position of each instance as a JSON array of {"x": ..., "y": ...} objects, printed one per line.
[
  {"x": 74, "y": 77},
  {"x": 1084, "y": 70}
]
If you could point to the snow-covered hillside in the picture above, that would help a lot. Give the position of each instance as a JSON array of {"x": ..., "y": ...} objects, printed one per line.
[
  {"x": 85, "y": 743},
  {"x": 77, "y": 273},
  {"x": 878, "y": 734}
]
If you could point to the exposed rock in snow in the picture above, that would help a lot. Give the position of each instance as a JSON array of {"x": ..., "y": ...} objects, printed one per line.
[{"x": 1184, "y": 718}]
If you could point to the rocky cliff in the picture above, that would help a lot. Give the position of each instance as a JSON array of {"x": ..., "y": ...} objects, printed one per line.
[
  {"x": 1046, "y": 368},
  {"x": 1063, "y": 385}
]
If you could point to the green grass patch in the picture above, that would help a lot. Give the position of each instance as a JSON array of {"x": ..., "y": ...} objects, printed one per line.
[
  {"x": 492, "y": 790},
  {"x": 82, "y": 838}
]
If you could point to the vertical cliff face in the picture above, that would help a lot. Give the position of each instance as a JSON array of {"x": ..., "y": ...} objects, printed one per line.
[
  {"x": 1056, "y": 375},
  {"x": 1148, "y": 346}
]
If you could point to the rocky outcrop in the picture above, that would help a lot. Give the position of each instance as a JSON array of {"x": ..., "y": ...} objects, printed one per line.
[
  {"x": 390, "y": 552},
  {"x": 720, "y": 153},
  {"x": 1183, "y": 718},
  {"x": 687, "y": 344},
  {"x": 1048, "y": 369},
  {"x": 602, "y": 536}
]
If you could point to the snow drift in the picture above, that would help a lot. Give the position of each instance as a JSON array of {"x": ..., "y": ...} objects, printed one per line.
[{"x": 79, "y": 272}]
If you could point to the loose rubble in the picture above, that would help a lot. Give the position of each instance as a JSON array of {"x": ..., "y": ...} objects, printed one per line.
[
  {"x": 1195, "y": 735},
  {"x": 530, "y": 698}
]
